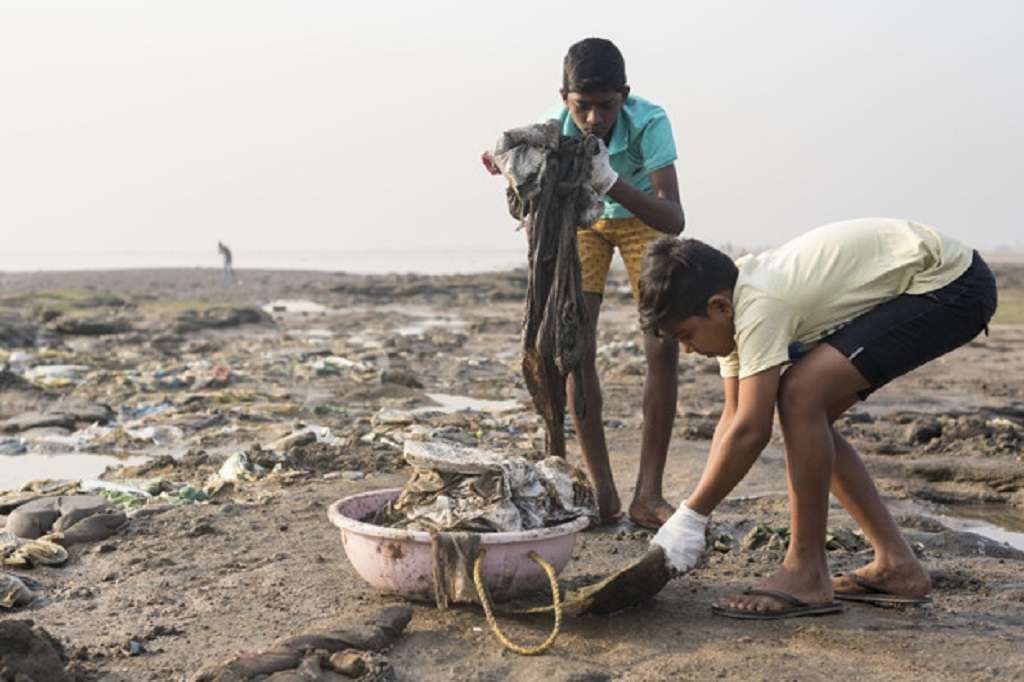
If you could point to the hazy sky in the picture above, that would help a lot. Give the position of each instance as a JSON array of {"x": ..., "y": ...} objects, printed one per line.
[{"x": 358, "y": 125}]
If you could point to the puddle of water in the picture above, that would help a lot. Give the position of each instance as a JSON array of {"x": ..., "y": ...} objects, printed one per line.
[
  {"x": 317, "y": 333},
  {"x": 999, "y": 523},
  {"x": 293, "y": 306},
  {"x": 459, "y": 403},
  {"x": 422, "y": 325},
  {"x": 422, "y": 318},
  {"x": 17, "y": 470}
]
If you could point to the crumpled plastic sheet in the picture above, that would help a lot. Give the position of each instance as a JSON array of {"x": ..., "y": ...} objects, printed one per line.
[
  {"x": 13, "y": 591},
  {"x": 467, "y": 489},
  {"x": 259, "y": 462},
  {"x": 55, "y": 376},
  {"x": 521, "y": 155}
]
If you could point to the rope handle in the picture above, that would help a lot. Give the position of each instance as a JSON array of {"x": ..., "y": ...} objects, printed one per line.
[{"x": 485, "y": 602}]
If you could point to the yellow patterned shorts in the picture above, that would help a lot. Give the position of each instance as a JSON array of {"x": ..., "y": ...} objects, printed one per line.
[{"x": 597, "y": 244}]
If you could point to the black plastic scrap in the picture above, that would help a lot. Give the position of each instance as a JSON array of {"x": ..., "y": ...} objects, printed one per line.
[{"x": 549, "y": 192}]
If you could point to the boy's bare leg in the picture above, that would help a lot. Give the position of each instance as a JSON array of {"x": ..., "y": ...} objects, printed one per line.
[
  {"x": 661, "y": 383},
  {"x": 895, "y": 568},
  {"x": 590, "y": 429},
  {"x": 812, "y": 391}
]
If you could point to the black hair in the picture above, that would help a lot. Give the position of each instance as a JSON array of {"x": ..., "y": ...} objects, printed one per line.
[
  {"x": 678, "y": 278},
  {"x": 593, "y": 64}
]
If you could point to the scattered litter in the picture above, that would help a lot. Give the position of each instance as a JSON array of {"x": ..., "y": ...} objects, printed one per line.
[
  {"x": 56, "y": 376},
  {"x": 12, "y": 446},
  {"x": 294, "y": 306},
  {"x": 16, "y": 552}
]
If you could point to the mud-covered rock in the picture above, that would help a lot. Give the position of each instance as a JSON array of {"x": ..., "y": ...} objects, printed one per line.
[
  {"x": 959, "y": 543},
  {"x": 36, "y": 420},
  {"x": 30, "y": 654},
  {"x": 922, "y": 431},
  {"x": 402, "y": 377},
  {"x": 373, "y": 635},
  {"x": 305, "y": 657},
  {"x": 220, "y": 318},
  {"x": 249, "y": 666},
  {"x": 38, "y": 517},
  {"x": 60, "y": 416},
  {"x": 92, "y": 326},
  {"x": 16, "y": 334}
]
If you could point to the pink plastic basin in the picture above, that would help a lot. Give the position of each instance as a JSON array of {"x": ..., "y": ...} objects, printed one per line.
[{"x": 400, "y": 561}]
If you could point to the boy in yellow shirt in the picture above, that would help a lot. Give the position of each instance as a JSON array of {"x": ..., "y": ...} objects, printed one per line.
[{"x": 848, "y": 307}]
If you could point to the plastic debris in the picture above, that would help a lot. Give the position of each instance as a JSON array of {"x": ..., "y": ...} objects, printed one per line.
[
  {"x": 14, "y": 592},
  {"x": 18, "y": 552},
  {"x": 460, "y": 488},
  {"x": 56, "y": 376},
  {"x": 12, "y": 446}
]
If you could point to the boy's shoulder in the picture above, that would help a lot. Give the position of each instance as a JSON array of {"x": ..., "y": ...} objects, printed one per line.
[{"x": 641, "y": 111}]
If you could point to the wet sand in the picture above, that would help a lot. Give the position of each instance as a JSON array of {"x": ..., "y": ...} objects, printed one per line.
[{"x": 198, "y": 583}]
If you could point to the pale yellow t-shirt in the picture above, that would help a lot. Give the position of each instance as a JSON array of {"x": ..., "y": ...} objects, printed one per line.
[{"x": 804, "y": 289}]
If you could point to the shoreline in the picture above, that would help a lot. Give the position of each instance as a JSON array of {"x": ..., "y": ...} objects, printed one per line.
[{"x": 196, "y": 583}]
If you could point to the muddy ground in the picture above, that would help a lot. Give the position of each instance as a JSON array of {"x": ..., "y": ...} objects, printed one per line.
[{"x": 196, "y": 583}]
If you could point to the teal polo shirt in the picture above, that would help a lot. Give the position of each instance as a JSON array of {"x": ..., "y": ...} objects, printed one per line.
[{"x": 641, "y": 143}]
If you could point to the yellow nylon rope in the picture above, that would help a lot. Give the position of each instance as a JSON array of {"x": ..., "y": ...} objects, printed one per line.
[{"x": 485, "y": 602}]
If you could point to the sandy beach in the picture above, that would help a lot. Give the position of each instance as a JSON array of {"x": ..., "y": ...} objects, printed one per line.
[{"x": 192, "y": 370}]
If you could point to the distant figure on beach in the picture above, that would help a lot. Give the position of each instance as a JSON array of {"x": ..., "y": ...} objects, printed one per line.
[
  {"x": 844, "y": 309},
  {"x": 638, "y": 183},
  {"x": 225, "y": 252}
]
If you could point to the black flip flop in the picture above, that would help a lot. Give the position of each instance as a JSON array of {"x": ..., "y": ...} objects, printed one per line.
[
  {"x": 796, "y": 608},
  {"x": 874, "y": 594}
]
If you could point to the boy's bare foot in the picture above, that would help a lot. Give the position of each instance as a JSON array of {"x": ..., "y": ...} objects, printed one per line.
[
  {"x": 650, "y": 513},
  {"x": 811, "y": 586},
  {"x": 907, "y": 579}
]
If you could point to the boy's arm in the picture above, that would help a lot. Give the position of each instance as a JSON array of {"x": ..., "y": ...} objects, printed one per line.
[
  {"x": 731, "y": 388},
  {"x": 741, "y": 434},
  {"x": 738, "y": 440},
  {"x": 663, "y": 211}
]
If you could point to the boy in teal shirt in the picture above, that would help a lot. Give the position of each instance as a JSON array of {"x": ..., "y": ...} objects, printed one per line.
[{"x": 635, "y": 174}]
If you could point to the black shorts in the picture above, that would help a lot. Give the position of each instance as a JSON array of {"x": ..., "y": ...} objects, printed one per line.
[{"x": 902, "y": 334}]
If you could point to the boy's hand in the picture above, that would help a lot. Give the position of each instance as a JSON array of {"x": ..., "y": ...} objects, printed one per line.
[
  {"x": 488, "y": 160},
  {"x": 602, "y": 175},
  {"x": 683, "y": 539}
]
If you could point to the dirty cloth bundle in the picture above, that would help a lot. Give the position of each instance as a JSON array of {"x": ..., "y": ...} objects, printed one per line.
[
  {"x": 549, "y": 191},
  {"x": 457, "y": 488}
]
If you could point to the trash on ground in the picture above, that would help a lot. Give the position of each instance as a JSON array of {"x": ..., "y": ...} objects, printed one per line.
[{"x": 14, "y": 592}]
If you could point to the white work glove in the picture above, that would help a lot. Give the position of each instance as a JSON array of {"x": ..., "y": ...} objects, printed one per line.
[
  {"x": 602, "y": 175},
  {"x": 682, "y": 538}
]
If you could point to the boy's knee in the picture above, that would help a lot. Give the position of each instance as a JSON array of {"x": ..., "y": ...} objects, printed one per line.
[{"x": 799, "y": 397}]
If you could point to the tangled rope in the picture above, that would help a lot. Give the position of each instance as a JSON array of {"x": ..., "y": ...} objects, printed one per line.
[{"x": 485, "y": 602}]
